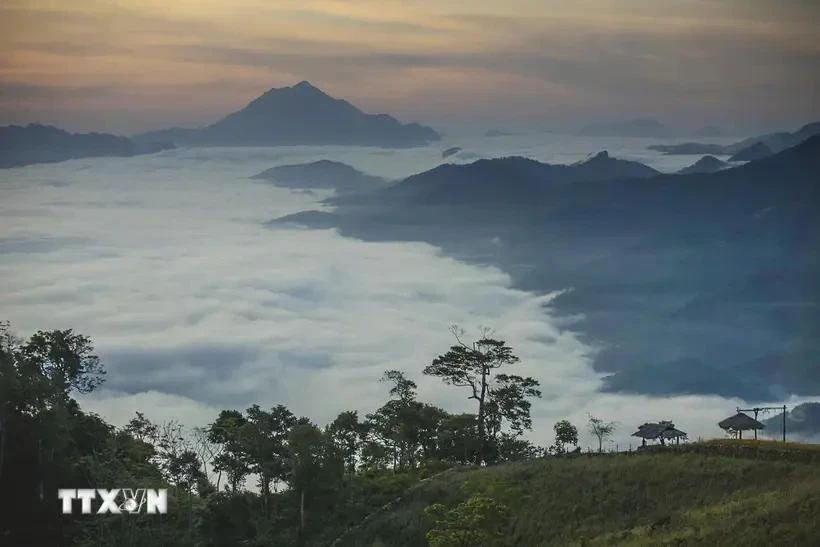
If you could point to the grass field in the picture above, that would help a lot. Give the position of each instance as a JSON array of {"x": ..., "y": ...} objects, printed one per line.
[{"x": 669, "y": 498}]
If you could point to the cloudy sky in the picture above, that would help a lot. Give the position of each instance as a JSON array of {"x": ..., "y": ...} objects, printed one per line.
[{"x": 133, "y": 65}]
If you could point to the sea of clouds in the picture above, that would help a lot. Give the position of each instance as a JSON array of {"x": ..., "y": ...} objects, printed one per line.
[{"x": 195, "y": 306}]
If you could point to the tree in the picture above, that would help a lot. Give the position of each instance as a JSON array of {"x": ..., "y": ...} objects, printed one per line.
[
  {"x": 142, "y": 429},
  {"x": 565, "y": 434},
  {"x": 457, "y": 439},
  {"x": 478, "y": 522},
  {"x": 207, "y": 451},
  {"x": 65, "y": 359},
  {"x": 227, "y": 431},
  {"x": 346, "y": 433},
  {"x": 403, "y": 388},
  {"x": 601, "y": 430},
  {"x": 306, "y": 447},
  {"x": 503, "y": 397},
  {"x": 264, "y": 440}
]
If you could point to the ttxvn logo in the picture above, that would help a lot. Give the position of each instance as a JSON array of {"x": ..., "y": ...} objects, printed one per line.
[{"x": 118, "y": 500}]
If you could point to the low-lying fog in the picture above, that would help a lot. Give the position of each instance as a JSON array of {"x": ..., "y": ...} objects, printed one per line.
[{"x": 194, "y": 306}]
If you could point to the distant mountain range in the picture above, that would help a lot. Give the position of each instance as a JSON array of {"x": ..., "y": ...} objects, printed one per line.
[
  {"x": 631, "y": 128},
  {"x": 775, "y": 142},
  {"x": 34, "y": 143},
  {"x": 803, "y": 419},
  {"x": 299, "y": 115},
  {"x": 685, "y": 283},
  {"x": 524, "y": 178}
]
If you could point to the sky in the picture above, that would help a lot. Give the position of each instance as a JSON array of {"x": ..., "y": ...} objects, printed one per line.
[{"x": 127, "y": 66}]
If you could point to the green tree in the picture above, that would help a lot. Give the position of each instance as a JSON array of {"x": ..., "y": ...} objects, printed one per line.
[
  {"x": 346, "y": 433},
  {"x": 232, "y": 460},
  {"x": 499, "y": 398},
  {"x": 566, "y": 434},
  {"x": 457, "y": 438},
  {"x": 481, "y": 521},
  {"x": 264, "y": 438},
  {"x": 406, "y": 428},
  {"x": 306, "y": 448},
  {"x": 142, "y": 429}
]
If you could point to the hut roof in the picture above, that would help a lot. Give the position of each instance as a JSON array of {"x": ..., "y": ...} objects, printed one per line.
[
  {"x": 673, "y": 433},
  {"x": 654, "y": 430},
  {"x": 740, "y": 422}
]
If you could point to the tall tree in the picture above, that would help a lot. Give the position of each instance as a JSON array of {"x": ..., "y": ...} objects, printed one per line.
[
  {"x": 346, "y": 433},
  {"x": 233, "y": 460},
  {"x": 501, "y": 397},
  {"x": 601, "y": 430},
  {"x": 264, "y": 440},
  {"x": 403, "y": 388},
  {"x": 305, "y": 442}
]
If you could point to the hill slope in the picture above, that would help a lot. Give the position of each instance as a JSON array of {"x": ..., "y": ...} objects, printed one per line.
[{"x": 622, "y": 500}]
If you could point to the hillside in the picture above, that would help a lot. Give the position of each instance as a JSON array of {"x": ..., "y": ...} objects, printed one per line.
[{"x": 658, "y": 499}]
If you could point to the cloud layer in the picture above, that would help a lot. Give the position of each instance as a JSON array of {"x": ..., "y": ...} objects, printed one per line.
[
  {"x": 194, "y": 306},
  {"x": 131, "y": 66}
]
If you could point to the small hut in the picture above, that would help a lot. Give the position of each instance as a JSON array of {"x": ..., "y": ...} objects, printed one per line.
[
  {"x": 673, "y": 433},
  {"x": 739, "y": 423},
  {"x": 659, "y": 431}
]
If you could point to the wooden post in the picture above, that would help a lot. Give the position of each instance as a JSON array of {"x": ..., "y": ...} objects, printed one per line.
[{"x": 784, "y": 424}]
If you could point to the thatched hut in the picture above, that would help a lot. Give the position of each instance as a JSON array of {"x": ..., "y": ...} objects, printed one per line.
[
  {"x": 739, "y": 423},
  {"x": 659, "y": 431},
  {"x": 673, "y": 433}
]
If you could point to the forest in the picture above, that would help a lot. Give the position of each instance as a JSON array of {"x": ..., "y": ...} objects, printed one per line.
[{"x": 258, "y": 476}]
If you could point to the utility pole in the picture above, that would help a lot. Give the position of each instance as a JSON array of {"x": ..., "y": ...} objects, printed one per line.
[{"x": 759, "y": 409}]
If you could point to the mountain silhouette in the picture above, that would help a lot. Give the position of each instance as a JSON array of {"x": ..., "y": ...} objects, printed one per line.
[
  {"x": 523, "y": 178},
  {"x": 713, "y": 273},
  {"x": 301, "y": 115},
  {"x": 35, "y": 143},
  {"x": 803, "y": 419},
  {"x": 776, "y": 142},
  {"x": 322, "y": 174},
  {"x": 706, "y": 164}
]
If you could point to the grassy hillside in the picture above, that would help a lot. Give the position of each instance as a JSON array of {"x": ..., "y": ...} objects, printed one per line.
[{"x": 652, "y": 499}]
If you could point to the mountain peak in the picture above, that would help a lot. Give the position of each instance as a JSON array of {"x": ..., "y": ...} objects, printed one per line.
[
  {"x": 303, "y": 114},
  {"x": 304, "y": 84}
]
